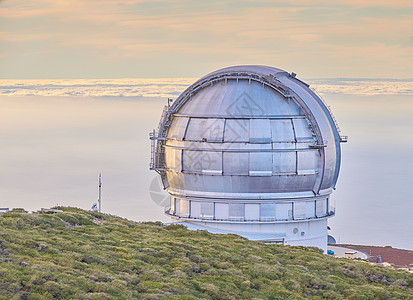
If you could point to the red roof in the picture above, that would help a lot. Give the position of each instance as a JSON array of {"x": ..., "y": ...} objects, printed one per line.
[{"x": 398, "y": 257}]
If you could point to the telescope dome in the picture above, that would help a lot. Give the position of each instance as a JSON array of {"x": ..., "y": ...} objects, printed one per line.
[{"x": 249, "y": 150}]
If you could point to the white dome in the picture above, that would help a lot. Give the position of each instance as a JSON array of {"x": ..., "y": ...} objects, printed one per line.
[{"x": 244, "y": 136}]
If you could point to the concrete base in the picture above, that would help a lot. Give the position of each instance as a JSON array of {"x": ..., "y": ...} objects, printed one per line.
[{"x": 311, "y": 233}]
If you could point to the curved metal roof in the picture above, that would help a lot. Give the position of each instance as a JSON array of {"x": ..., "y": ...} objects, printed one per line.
[
  {"x": 284, "y": 107},
  {"x": 258, "y": 69}
]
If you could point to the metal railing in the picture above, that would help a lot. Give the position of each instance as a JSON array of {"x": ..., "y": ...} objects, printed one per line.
[
  {"x": 157, "y": 161},
  {"x": 187, "y": 216},
  {"x": 343, "y": 138}
]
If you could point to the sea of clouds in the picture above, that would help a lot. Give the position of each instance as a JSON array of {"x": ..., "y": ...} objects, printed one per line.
[{"x": 172, "y": 87}]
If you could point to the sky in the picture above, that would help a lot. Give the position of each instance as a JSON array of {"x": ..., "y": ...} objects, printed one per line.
[
  {"x": 80, "y": 88},
  {"x": 57, "y": 39}
]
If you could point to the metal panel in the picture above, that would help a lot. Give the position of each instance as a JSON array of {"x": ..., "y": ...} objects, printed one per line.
[
  {"x": 182, "y": 207},
  {"x": 260, "y": 164},
  {"x": 260, "y": 131},
  {"x": 212, "y": 161},
  {"x": 282, "y": 131},
  {"x": 237, "y": 130},
  {"x": 284, "y": 162},
  {"x": 302, "y": 129},
  {"x": 195, "y": 209},
  {"x": 236, "y": 211},
  {"x": 252, "y": 212},
  {"x": 177, "y": 206},
  {"x": 207, "y": 210},
  {"x": 221, "y": 211},
  {"x": 208, "y": 130},
  {"x": 330, "y": 205},
  {"x": 173, "y": 210},
  {"x": 174, "y": 159},
  {"x": 307, "y": 162},
  {"x": 207, "y": 162},
  {"x": 310, "y": 209},
  {"x": 215, "y": 132},
  {"x": 236, "y": 163},
  {"x": 267, "y": 211},
  {"x": 192, "y": 161},
  {"x": 299, "y": 210},
  {"x": 178, "y": 127},
  {"x": 284, "y": 211},
  {"x": 196, "y": 129},
  {"x": 321, "y": 207}
]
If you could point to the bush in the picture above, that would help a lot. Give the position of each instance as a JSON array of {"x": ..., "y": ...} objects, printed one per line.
[{"x": 79, "y": 254}]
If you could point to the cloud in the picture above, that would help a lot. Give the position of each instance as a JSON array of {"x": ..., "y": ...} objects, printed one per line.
[
  {"x": 352, "y": 3},
  {"x": 172, "y": 87}
]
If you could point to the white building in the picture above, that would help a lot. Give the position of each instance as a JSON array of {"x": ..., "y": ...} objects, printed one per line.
[{"x": 250, "y": 150}]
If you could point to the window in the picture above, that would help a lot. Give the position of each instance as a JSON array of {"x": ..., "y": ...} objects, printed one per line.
[
  {"x": 182, "y": 207},
  {"x": 195, "y": 209},
  {"x": 299, "y": 210},
  {"x": 284, "y": 211},
  {"x": 173, "y": 205},
  {"x": 221, "y": 211},
  {"x": 310, "y": 209},
  {"x": 267, "y": 211},
  {"x": 321, "y": 208},
  {"x": 236, "y": 211},
  {"x": 207, "y": 210},
  {"x": 252, "y": 212}
]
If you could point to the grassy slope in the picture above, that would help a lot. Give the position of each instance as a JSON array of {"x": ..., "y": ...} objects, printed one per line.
[{"x": 46, "y": 256}]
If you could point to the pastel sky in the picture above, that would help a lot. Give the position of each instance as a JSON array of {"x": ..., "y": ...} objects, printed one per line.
[{"x": 171, "y": 38}]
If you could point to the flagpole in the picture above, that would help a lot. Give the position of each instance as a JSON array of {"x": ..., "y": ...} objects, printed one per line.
[{"x": 100, "y": 192}]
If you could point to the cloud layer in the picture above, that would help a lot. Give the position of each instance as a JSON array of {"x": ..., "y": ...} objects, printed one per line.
[{"x": 172, "y": 87}]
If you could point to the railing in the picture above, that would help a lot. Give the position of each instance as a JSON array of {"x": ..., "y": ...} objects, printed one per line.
[
  {"x": 162, "y": 121},
  {"x": 157, "y": 161},
  {"x": 343, "y": 138},
  {"x": 331, "y": 212},
  {"x": 152, "y": 138}
]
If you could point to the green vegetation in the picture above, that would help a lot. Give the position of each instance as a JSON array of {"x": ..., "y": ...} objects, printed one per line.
[{"x": 85, "y": 255}]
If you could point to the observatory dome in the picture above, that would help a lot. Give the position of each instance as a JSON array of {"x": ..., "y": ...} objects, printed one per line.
[{"x": 250, "y": 150}]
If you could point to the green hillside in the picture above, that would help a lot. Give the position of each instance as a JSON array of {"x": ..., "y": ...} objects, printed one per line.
[{"x": 80, "y": 254}]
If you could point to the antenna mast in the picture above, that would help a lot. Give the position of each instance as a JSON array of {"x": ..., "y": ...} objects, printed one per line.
[{"x": 100, "y": 192}]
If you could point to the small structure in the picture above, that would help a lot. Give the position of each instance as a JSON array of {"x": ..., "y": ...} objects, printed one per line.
[
  {"x": 350, "y": 254},
  {"x": 94, "y": 207},
  {"x": 4, "y": 210},
  {"x": 331, "y": 240},
  {"x": 50, "y": 211}
]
